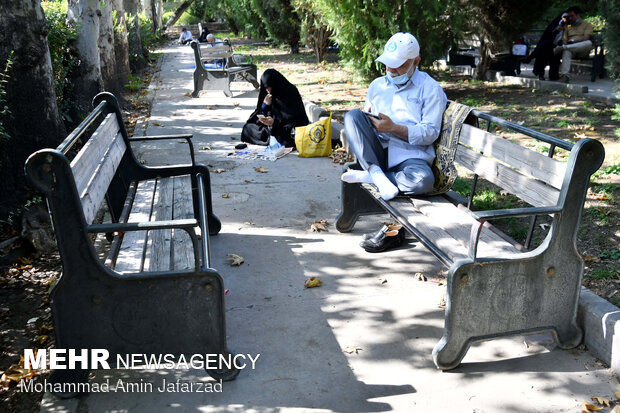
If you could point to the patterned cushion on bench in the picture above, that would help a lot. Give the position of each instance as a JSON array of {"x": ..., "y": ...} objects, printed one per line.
[{"x": 445, "y": 147}]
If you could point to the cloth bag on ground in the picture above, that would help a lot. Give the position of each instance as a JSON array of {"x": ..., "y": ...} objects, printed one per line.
[{"x": 315, "y": 139}]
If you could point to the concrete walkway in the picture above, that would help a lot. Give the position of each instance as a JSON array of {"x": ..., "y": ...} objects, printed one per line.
[{"x": 370, "y": 305}]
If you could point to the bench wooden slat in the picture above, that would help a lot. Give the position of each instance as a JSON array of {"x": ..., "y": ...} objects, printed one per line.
[
  {"x": 449, "y": 228},
  {"x": 531, "y": 191},
  {"x": 88, "y": 158},
  {"x": 527, "y": 161},
  {"x": 95, "y": 191},
  {"x": 158, "y": 250},
  {"x": 94, "y": 166},
  {"x": 131, "y": 254},
  {"x": 182, "y": 249}
]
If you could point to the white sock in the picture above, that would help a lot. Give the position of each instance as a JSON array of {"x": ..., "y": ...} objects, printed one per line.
[
  {"x": 354, "y": 176},
  {"x": 386, "y": 188}
]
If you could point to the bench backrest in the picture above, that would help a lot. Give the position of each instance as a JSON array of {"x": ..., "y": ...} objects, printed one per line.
[
  {"x": 221, "y": 50},
  {"x": 533, "y": 177},
  {"x": 95, "y": 165}
]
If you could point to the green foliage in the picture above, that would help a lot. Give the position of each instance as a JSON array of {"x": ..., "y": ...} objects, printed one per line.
[
  {"x": 603, "y": 273},
  {"x": 610, "y": 255},
  {"x": 135, "y": 83},
  {"x": 314, "y": 29},
  {"x": 240, "y": 16},
  {"x": 65, "y": 60},
  {"x": 362, "y": 27},
  {"x": 610, "y": 9},
  {"x": 281, "y": 21},
  {"x": 201, "y": 10}
]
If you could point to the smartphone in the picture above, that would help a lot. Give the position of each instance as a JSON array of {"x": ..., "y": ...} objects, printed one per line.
[
  {"x": 370, "y": 115},
  {"x": 261, "y": 116}
]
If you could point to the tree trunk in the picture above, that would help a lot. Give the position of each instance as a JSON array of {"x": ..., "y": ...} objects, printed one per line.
[
  {"x": 485, "y": 60},
  {"x": 157, "y": 7},
  {"x": 178, "y": 12},
  {"x": 121, "y": 42},
  {"x": 34, "y": 121},
  {"x": 146, "y": 8},
  {"x": 84, "y": 15},
  {"x": 107, "y": 55},
  {"x": 137, "y": 61}
]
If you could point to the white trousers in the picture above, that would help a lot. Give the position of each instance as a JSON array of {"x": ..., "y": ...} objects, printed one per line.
[{"x": 579, "y": 49}]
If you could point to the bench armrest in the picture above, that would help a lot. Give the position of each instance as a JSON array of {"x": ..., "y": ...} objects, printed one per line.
[
  {"x": 187, "y": 137},
  {"x": 515, "y": 212},
  {"x": 482, "y": 216}
]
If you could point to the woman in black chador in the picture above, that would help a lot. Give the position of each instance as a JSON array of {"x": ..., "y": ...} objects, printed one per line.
[{"x": 278, "y": 111}]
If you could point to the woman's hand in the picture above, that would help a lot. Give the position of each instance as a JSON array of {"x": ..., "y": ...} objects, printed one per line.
[
  {"x": 267, "y": 120},
  {"x": 268, "y": 99}
]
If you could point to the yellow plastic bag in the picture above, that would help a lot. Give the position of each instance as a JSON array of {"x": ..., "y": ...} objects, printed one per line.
[{"x": 314, "y": 139}]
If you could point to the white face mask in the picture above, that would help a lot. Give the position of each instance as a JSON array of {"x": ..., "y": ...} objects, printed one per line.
[{"x": 400, "y": 79}]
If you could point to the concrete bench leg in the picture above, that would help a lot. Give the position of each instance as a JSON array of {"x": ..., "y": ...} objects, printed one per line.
[
  {"x": 356, "y": 201},
  {"x": 491, "y": 299}
]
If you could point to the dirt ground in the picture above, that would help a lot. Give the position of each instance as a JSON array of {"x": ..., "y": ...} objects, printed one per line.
[{"x": 25, "y": 278}]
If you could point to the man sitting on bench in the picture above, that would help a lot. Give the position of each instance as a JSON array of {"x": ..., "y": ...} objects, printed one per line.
[
  {"x": 393, "y": 137},
  {"x": 575, "y": 41}
]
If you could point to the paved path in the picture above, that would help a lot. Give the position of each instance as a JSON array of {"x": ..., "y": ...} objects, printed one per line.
[{"x": 301, "y": 333}]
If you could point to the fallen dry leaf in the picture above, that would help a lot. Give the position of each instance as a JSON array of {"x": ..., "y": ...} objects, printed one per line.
[
  {"x": 590, "y": 258},
  {"x": 157, "y": 124},
  {"x": 420, "y": 277},
  {"x": 352, "y": 349},
  {"x": 382, "y": 280},
  {"x": 442, "y": 303},
  {"x": 588, "y": 408},
  {"x": 226, "y": 195},
  {"x": 617, "y": 394},
  {"x": 313, "y": 282},
  {"x": 601, "y": 400},
  {"x": 616, "y": 409},
  {"x": 205, "y": 148},
  {"x": 219, "y": 170},
  {"x": 188, "y": 95},
  {"x": 261, "y": 169},
  {"x": 235, "y": 260}
]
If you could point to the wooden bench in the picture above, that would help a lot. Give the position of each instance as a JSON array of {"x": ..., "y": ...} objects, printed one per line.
[
  {"x": 156, "y": 292},
  {"x": 594, "y": 64},
  {"x": 494, "y": 287},
  {"x": 218, "y": 66}
]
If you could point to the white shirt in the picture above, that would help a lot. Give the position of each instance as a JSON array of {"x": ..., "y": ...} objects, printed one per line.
[
  {"x": 419, "y": 105},
  {"x": 186, "y": 35}
]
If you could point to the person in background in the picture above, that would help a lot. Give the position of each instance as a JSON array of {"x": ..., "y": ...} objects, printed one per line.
[
  {"x": 543, "y": 53},
  {"x": 575, "y": 41},
  {"x": 186, "y": 36},
  {"x": 393, "y": 137},
  {"x": 278, "y": 111},
  {"x": 203, "y": 34}
]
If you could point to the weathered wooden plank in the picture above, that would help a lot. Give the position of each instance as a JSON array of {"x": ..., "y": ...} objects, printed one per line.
[
  {"x": 215, "y": 52},
  {"x": 89, "y": 157},
  {"x": 449, "y": 228},
  {"x": 458, "y": 224},
  {"x": 530, "y": 190},
  {"x": 94, "y": 192},
  {"x": 525, "y": 160},
  {"x": 159, "y": 246},
  {"x": 183, "y": 207},
  {"x": 131, "y": 254}
]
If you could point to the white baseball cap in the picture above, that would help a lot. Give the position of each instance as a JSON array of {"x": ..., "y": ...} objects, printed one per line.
[{"x": 400, "y": 48}]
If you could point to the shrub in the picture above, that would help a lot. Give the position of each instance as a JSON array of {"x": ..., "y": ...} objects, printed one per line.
[
  {"x": 362, "y": 27},
  {"x": 610, "y": 9}
]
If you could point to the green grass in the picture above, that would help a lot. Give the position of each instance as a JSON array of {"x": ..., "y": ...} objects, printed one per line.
[
  {"x": 135, "y": 83},
  {"x": 473, "y": 102},
  {"x": 602, "y": 273}
]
